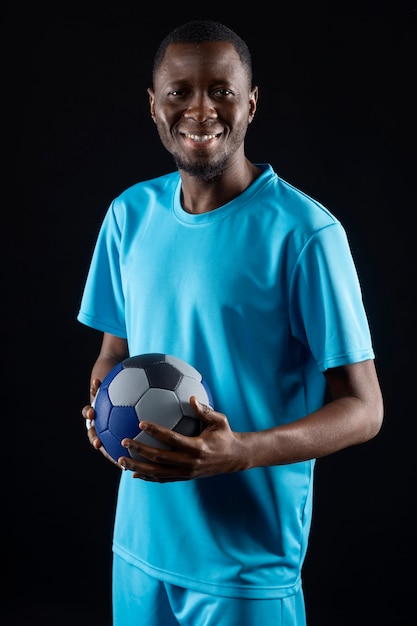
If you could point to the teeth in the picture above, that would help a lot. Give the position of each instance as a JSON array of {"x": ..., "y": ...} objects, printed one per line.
[{"x": 200, "y": 138}]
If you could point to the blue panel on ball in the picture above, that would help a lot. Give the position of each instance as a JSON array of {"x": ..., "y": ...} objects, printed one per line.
[
  {"x": 113, "y": 446},
  {"x": 102, "y": 407},
  {"x": 124, "y": 422}
]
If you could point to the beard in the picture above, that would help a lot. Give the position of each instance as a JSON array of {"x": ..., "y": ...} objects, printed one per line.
[
  {"x": 200, "y": 166},
  {"x": 202, "y": 171}
]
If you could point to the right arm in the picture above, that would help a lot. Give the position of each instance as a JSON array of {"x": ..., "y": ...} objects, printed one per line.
[{"x": 113, "y": 350}]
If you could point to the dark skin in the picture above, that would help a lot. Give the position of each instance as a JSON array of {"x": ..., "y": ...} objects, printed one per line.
[{"x": 202, "y": 103}]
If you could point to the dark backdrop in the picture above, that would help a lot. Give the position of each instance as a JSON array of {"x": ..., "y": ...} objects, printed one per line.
[{"x": 335, "y": 118}]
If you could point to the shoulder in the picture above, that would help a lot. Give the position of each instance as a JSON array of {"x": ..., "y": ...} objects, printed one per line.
[
  {"x": 293, "y": 208},
  {"x": 143, "y": 197},
  {"x": 158, "y": 185}
]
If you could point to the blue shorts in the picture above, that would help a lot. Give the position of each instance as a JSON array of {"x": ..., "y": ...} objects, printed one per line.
[{"x": 141, "y": 600}]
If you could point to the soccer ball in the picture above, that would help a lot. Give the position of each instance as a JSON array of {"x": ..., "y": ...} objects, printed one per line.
[{"x": 156, "y": 387}]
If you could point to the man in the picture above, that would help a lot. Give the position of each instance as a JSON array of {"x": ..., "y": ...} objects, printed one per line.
[{"x": 227, "y": 266}]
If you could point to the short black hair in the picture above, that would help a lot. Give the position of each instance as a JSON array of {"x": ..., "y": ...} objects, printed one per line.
[{"x": 204, "y": 31}]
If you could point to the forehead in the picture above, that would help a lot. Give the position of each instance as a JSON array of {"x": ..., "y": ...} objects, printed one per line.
[{"x": 215, "y": 60}]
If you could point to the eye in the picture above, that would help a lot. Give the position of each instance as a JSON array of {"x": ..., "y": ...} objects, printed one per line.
[
  {"x": 223, "y": 92},
  {"x": 177, "y": 93}
]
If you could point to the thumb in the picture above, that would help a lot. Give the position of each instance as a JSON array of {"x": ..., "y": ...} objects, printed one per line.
[{"x": 202, "y": 410}]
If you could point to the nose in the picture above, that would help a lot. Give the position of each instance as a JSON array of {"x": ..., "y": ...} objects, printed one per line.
[{"x": 200, "y": 109}]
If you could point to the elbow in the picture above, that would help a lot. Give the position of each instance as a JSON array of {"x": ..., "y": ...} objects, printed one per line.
[{"x": 375, "y": 419}]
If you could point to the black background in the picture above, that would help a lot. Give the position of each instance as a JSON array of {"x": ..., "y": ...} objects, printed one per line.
[{"x": 335, "y": 118}]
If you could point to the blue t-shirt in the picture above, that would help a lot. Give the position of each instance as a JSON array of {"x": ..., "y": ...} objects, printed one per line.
[{"x": 260, "y": 295}]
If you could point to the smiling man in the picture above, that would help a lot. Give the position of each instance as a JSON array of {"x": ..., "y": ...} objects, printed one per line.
[
  {"x": 202, "y": 103},
  {"x": 230, "y": 268}
]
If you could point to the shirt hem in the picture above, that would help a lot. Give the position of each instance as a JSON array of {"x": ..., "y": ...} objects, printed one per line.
[
  {"x": 249, "y": 591},
  {"x": 93, "y": 322}
]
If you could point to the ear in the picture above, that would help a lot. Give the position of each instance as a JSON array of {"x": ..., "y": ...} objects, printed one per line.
[
  {"x": 152, "y": 102},
  {"x": 253, "y": 102}
]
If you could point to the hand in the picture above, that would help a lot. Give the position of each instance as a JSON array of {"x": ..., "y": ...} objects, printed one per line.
[
  {"x": 216, "y": 450},
  {"x": 88, "y": 414}
]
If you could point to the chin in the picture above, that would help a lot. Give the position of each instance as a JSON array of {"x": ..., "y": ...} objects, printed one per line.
[{"x": 204, "y": 171}]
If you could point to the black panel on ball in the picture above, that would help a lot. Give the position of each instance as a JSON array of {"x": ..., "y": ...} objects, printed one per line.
[
  {"x": 163, "y": 376},
  {"x": 144, "y": 360}
]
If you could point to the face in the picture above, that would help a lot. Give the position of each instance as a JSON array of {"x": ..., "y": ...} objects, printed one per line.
[{"x": 202, "y": 103}]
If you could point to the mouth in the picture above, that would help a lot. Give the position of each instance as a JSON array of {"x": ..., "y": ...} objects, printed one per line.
[{"x": 201, "y": 138}]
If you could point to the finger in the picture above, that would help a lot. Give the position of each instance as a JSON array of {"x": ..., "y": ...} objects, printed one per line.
[
  {"x": 95, "y": 384},
  {"x": 204, "y": 411},
  {"x": 153, "y": 472},
  {"x": 88, "y": 412},
  {"x": 95, "y": 440},
  {"x": 171, "y": 439},
  {"x": 144, "y": 452}
]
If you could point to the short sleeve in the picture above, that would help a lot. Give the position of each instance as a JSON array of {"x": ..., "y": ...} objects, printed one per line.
[
  {"x": 327, "y": 311},
  {"x": 102, "y": 304}
]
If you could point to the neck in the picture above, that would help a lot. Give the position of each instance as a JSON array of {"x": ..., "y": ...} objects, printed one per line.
[{"x": 199, "y": 196}]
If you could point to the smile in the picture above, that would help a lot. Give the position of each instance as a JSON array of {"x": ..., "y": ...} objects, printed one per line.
[{"x": 200, "y": 138}]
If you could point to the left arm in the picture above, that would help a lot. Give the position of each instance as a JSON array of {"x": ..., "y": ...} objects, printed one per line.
[{"x": 353, "y": 416}]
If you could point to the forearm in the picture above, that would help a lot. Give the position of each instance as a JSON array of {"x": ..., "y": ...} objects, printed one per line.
[
  {"x": 342, "y": 423},
  {"x": 113, "y": 350},
  {"x": 102, "y": 366}
]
